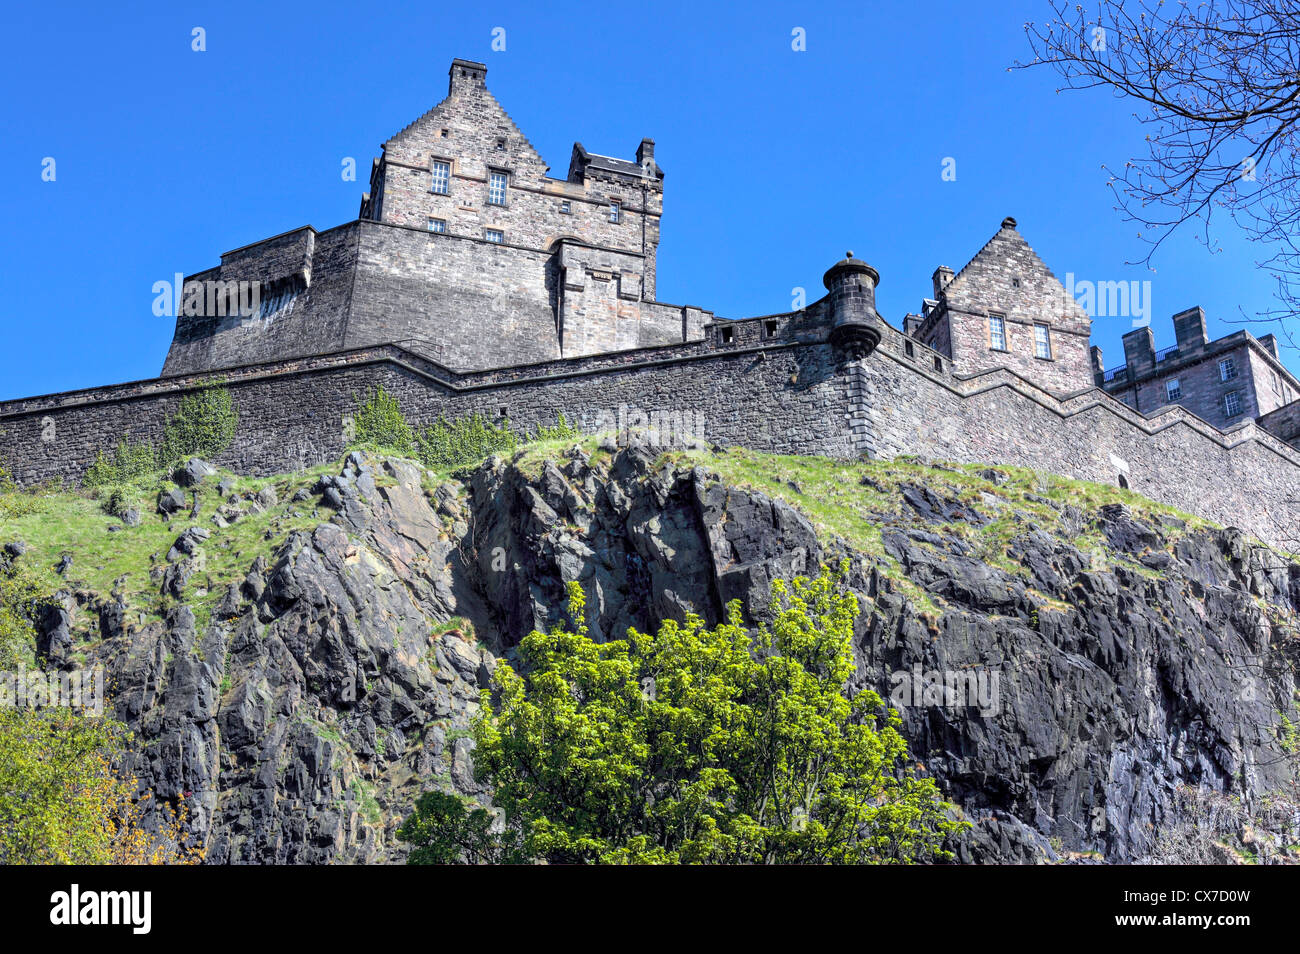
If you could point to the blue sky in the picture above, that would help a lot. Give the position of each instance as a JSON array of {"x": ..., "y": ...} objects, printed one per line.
[{"x": 776, "y": 160}]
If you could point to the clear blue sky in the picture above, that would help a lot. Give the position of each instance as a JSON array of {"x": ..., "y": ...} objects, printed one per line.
[{"x": 776, "y": 161}]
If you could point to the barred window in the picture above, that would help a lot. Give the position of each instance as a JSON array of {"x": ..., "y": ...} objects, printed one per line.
[
  {"x": 1232, "y": 403},
  {"x": 1042, "y": 341},
  {"x": 441, "y": 176},
  {"x": 997, "y": 333},
  {"x": 494, "y": 235},
  {"x": 1227, "y": 369},
  {"x": 1173, "y": 390},
  {"x": 497, "y": 189}
]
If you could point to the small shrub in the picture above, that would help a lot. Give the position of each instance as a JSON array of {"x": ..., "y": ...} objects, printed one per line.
[
  {"x": 203, "y": 426},
  {"x": 13, "y": 502},
  {"x": 380, "y": 424},
  {"x": 467, "y": 440},
  {"x": 560, "y": 430},
  {"x": 128, "y": 462}
]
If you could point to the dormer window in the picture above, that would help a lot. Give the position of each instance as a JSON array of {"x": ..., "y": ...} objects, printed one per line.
[
  {"x": 441, "y": 177},
  {"x": 615, "y": 211},
  {"x": 497, "y": 188}
]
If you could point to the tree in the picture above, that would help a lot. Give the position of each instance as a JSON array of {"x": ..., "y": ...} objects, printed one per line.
[
  {"x": 64, "y": 801},
  {"x": 706, "y": 745},
  {"x": 64, "y": 798},
  {"x": 445, "y": 831},
  {"x": 1218, "y": 86}
]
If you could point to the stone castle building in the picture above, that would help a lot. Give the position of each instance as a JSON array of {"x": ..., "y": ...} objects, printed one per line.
[
  {"x": 1235, "y": 378},
  {"x": 472, "y": 281}
]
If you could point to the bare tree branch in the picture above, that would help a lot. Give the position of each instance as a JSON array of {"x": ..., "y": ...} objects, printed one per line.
[{"x": 1218, "y": 86}]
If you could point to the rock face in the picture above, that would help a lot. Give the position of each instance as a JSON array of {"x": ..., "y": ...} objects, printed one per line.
[{"x": 1100, "y": 665}]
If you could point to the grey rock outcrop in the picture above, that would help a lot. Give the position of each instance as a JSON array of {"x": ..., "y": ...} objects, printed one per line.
[{"x": 339, "y": 676}]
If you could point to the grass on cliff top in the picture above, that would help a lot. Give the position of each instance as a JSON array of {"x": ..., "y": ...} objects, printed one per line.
[
  {"x": 58, "y": 521},
  {"x": 853, "y": 500},
  {"x": 850, "y": 500}
]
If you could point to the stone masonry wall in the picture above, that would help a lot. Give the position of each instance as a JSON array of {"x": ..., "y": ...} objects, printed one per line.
[{"x": 772, "y": 387}]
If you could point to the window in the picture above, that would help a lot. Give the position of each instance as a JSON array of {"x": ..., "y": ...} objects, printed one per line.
[
  {"x": 938, "y": 363},
  {"x": 441, "y": 176},
  {"x": 501, "y": 144},
  {"x": 494, "y": 235},
  {"x": 1173, "y": 390},
  {"x": 728, "y": 335},
  {"x": 615, "y": 211},
  {"x": 437, "y": 225},
  {"x": 566, "y": 208},
  {"x": 446, "y": 133},
  {"x": 769, "y": 329},
  {"x": 908, "y": 349},
  {"x": 997, "y": 333},
  {"x": 1043, "y": 342},
  {"x": 1232, "y": 403},
  {"x": 497, "y": 188},
  {"x": 1227, "y": 369}
]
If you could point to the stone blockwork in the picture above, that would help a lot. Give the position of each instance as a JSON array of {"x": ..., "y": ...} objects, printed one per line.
[
  {"x": 776, "y": 385},
  {"x": 1226, "y": 381},
  {"x": 559, "y": 316},
  {"x": 1006, "y": 279}
]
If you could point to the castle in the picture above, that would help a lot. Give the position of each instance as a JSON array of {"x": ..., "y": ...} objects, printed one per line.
[{"x": 474, "y": 282}]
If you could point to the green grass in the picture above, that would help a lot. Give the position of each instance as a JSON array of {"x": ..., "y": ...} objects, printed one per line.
[
  {"x": 104, "y": 562},
  {"x": 849, "y": 500},
  {"x": 853, "y": 500}
]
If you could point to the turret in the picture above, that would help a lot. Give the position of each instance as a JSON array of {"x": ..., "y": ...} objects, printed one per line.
[{"x": 855, "y": 326}]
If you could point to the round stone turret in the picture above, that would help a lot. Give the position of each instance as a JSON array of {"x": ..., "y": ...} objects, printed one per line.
[{"x": 855, "y": 326}]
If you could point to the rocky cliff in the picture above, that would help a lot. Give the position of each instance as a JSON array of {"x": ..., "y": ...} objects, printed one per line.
[{"x": 1079, "y": 668}]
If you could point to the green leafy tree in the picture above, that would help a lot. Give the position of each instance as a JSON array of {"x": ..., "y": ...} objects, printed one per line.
[
  {"x": 706, "y": 745},
  {"x": 64, "y": 798},
  {"x": 444, "y": 830}
]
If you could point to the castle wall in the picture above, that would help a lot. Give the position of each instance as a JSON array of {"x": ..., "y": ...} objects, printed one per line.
[
  {"x": 321, "y": 263},
  {"x": 773, "y": 386},
  {"x": 473, "y": 304},
  {"x": 293, "y": 415},
  {"x": 1284, "y": 423},
  {"x": 1243, "y": 477}
]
